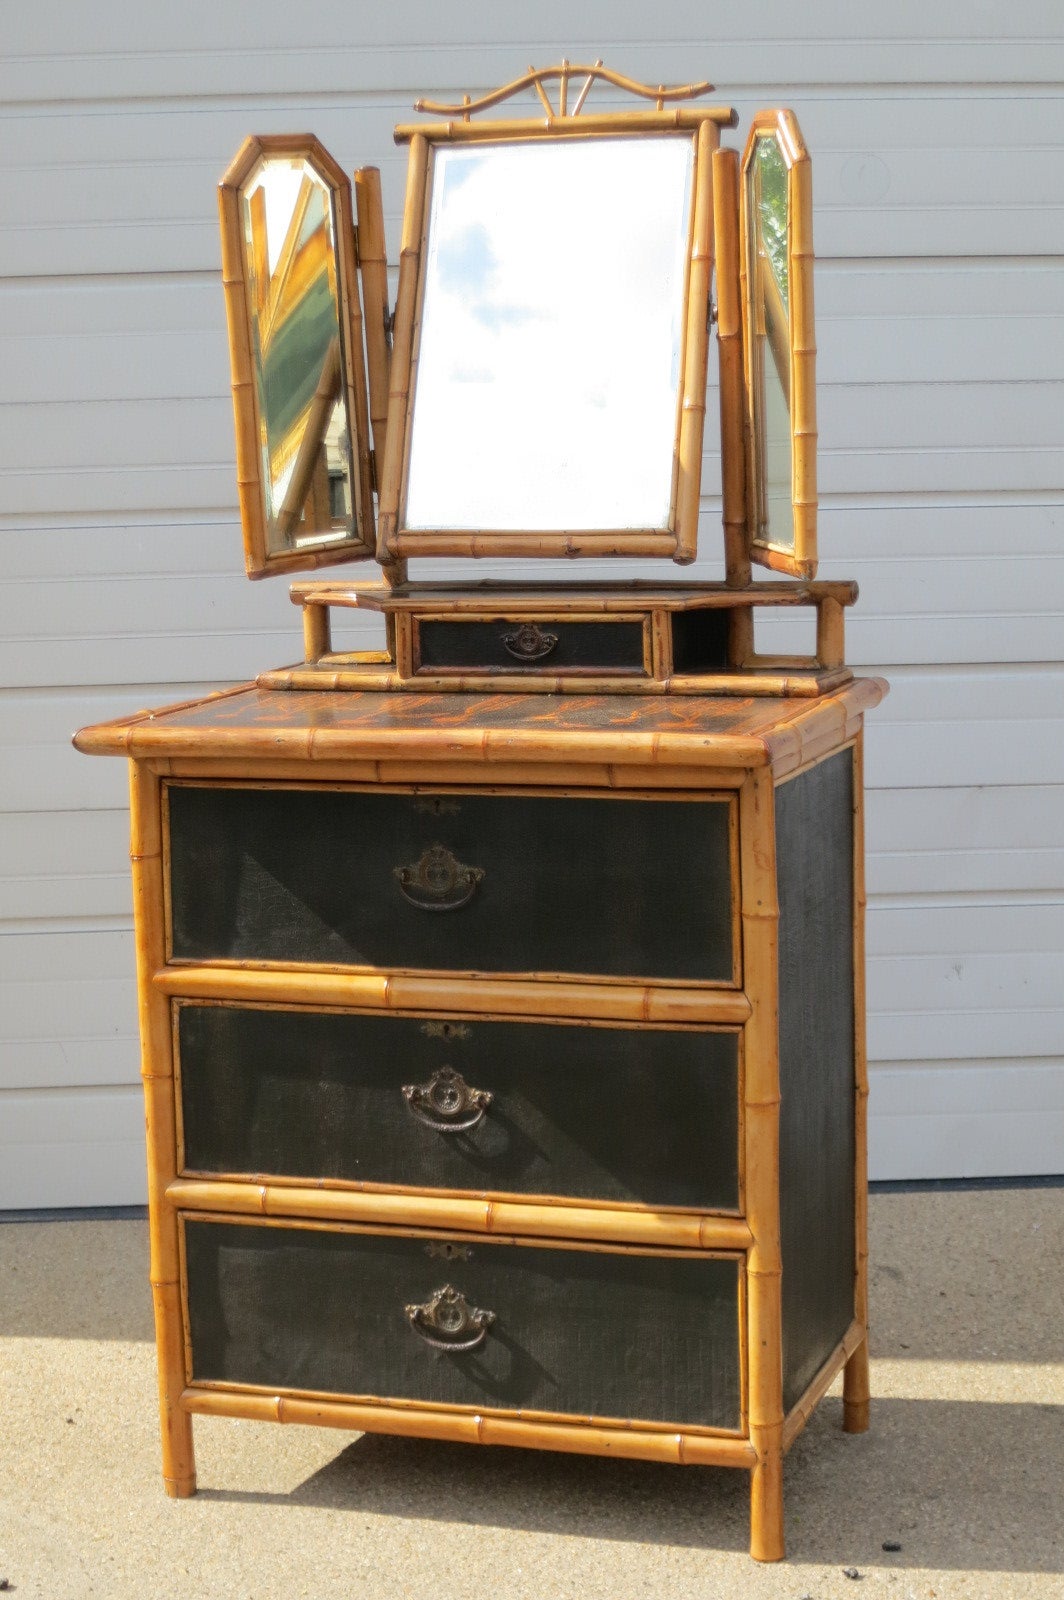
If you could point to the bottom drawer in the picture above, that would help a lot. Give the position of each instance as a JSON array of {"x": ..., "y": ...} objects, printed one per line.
[{"x": 604, "y": 1332}]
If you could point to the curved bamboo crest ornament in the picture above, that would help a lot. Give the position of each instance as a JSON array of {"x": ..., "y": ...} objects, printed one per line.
[
  {"x": 535, "y": 78},
  {"x": 776, "y": 225},
  {"x": 295, "y": 342}
]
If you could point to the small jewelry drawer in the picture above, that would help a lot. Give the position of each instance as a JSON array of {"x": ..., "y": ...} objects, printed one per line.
[
  {"x": 644, "y": 1116},
  {"x": 511, "y": 883},
  {"x": 545, "y": 645},
  {"x": 603, "y": 1331}
]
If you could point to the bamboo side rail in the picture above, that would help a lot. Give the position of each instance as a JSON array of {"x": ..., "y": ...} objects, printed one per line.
[
  {"x": 696, "y": 342},
  {"x": 157, "y": 1068},
  {"x": 803, "y": 363},
  {"x": 452, "y": 993},
  {"x": 856, "y": 1385},
  {"x": 604, "y": 778},
  {"x": 400, "y": 371},
  {"x": 373, "y": 266},
  {"x": 732, "y": 387},
  {"x": 550, "y": 1218},
  {"x": 625, "y": 1441},
  {"x": 499, "y": 130},
  {"x": 799, "y": 1414},
  {"x": 760, "y": 919}
]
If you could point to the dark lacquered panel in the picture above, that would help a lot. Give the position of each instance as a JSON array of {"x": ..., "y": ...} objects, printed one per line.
[
  {"x": 594, "y": 1333},
  {"x": 643, "y": 1115},
  {"x": 814, "y": 852},
  {"x": 543, "y": 646},
  {"x": 700, "y": 640},
  {"x": 626, "y": 888}
]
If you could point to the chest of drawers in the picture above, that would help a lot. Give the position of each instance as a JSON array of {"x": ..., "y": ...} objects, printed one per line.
[{"x": 503, "y": 1060}]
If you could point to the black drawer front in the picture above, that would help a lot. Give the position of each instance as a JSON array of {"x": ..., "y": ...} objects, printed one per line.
[
  {"x": 596, "y": 1333},
  {"x": 531, "y": 646},
  {"x": 625, "y": 888},
  {"x": 642, "y": 1115}
]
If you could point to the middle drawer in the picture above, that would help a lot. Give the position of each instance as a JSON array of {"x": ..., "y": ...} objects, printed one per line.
[{"x": 645, "y": 1116}]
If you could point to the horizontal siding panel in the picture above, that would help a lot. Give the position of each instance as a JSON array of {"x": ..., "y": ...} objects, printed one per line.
[
  {"x": 68, "y": 1009},
  {"x": 132, "y": 188},
  {"x": 949, "y": 841},
  {"x": 74, "y": 1147},
  {"x": 973, "y": 1119},
  {"x": 100, "y": 361},
  {"x": 478, "y": 48},
  {"x": 50, "y": 870}
]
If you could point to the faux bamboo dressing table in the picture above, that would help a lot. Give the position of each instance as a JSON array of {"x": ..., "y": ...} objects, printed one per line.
[{"x": 501, "y": 991}]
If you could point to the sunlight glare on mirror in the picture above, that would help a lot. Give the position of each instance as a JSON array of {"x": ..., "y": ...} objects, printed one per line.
[
  {"x": 548, "y": 372},
  {"x": 294, "y": 302}
]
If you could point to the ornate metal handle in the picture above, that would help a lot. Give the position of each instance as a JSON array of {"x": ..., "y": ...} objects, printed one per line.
[
  {"x": 438, "y": 881},
  {"x": 447, "y": 1103},
  {"x": 530, "y": 643},
  {"x": 448, "y": 1322}
]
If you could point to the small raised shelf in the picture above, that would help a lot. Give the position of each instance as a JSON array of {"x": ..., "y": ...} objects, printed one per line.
[{"x": 635, "y": 637}]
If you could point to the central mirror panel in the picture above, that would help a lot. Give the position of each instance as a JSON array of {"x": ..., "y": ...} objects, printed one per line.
[{"x": 547, "y": 373}]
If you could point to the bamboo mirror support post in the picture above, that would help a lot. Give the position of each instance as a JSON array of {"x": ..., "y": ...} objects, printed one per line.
[
  {"x": 296, "y": 347},
  {"x": 548, "y": 374},
  {"x": 776, "y": 227}
]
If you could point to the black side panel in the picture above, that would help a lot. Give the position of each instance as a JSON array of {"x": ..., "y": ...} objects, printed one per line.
[
  {"x": 700, "y": 640},
  {"x": 603, "y": 1113},
  {"x": 610, "y": 646},
  {"x": 590, "y": 1332},
  {"x": 630, "y": 888},
  {"x": 814, "y": 854}
]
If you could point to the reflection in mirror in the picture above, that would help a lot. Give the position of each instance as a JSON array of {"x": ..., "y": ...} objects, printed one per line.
[
  {"x": 769, "y": 236},
  {"x": 308, "y": 478},
  {"x": 776, "y": 204},
  {"x": 548, "y": 372}
]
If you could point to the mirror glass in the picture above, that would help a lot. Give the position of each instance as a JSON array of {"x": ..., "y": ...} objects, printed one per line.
[
  {"x": 767, "y": 207},
  {"x": 548, "y": 370},
  {"x": 297, "y": 355}
]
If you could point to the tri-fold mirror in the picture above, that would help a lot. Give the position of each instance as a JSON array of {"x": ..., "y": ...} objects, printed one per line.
[
  {"x": 780, "y": 348},
  {"x": 548, "y": 372},
  {"x": 295, "y": 338}
]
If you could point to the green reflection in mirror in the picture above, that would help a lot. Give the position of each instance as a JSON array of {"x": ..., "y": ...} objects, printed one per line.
[
  {"x": 769, "y": 278},
  {"x": 293, "y": 290}
]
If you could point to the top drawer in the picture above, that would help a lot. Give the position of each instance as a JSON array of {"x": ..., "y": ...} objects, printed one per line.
[{"x": 599, "y": 886}]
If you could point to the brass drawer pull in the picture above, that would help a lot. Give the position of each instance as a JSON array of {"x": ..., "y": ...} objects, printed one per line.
[
  {"x": 530, "y": 643},
  {"x": 438, "y": 881},
  {"x": 447, "y": 1103},
  {"x": 448, "y": 1322}
]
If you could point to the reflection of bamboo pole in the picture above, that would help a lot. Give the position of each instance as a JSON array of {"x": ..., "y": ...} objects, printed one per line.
[
  {"x": 312, "y": 442},
  {"x": 776, "y": 327},
  {"x": 732, "y": 399}
]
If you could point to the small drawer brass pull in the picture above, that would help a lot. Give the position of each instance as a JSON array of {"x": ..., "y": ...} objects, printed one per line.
[
  {"x": 438, "y": 881},
  {"x": 447, "y": 1321},
  {"x": 447, "y": 1103},
  {"x": 530, "y": 643}
]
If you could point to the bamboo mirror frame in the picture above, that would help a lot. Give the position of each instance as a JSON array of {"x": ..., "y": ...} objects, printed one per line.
[
  {"x": 291, "y": 288},
  {"x": 776, "y": 267},
  {"x": 438, "y": 149}
]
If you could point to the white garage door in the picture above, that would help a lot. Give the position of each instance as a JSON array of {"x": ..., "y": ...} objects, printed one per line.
[{"x": 936, "y": 142}]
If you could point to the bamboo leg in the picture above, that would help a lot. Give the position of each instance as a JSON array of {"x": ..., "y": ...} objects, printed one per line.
[
  {"x": 856, "y": 1392},
  {"x": 760, "y": 916},
  {"x": 179, "y": 1465}
]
